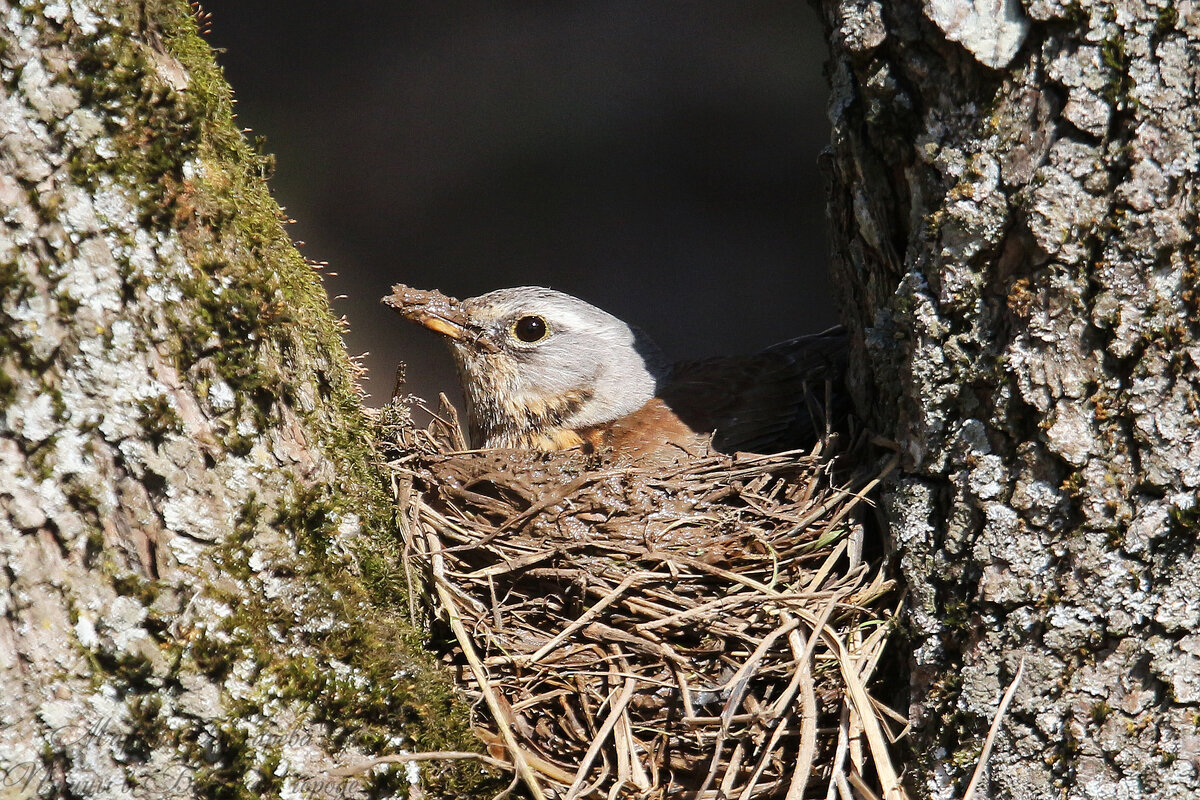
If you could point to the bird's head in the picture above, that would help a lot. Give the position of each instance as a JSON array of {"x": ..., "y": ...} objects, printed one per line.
[{"x": 536, "y": 364}]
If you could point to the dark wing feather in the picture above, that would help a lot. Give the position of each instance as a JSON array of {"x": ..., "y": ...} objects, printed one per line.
[{"x": 768, "y": 402}]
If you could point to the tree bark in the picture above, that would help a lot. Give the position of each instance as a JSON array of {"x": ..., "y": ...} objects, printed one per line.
[
  {"x": 1013, "y": 197},
  {"x": 200, "y": 593}
]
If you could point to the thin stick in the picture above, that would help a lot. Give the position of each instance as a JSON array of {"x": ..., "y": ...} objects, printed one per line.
[
  {"x": 624, "y": 730},
  {"x": 803, "y": 672},
  {"x": 591, "y": 617},
  {"x": 736, "y": 600},
  {"x": 714, "y": 765},
  {"x": 993, "y": 731},
  {"x": 741, "y": 679},
  {"x": 815, "y": 583},
  {"x": 509, "y": 565},
  {"x": 843, "y": 786},
  {"x": 508, "y": 790},
  {"x": 856, "y": 740},
  {"x": 808, "y": 722},
  {"x": 480, "y": 671},
  {"x": 407, "y": 501},
  {"x": 614, "y": 714},
  {"x": 571, "y": 488},
  {"x": 731, "y": 770},
  {"x": 839, "y": 499},
  {"x": 861, "y": 786},
  {"x": 861, "y": 703},
  {"x": 839, "y": 753},
  {"x": 862, "y": 493},
  {"x": 585, "y": 617}
]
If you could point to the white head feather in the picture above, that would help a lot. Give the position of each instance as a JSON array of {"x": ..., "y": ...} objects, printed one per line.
[{"x": 588, "y": 354}]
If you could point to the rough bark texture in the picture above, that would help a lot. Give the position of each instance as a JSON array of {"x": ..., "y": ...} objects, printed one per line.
[
  {"x": 1014, "y": 198},
  {"x": 197, "y": 592}
]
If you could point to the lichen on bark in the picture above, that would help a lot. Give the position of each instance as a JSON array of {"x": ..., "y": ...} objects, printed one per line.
[
  {"x": 1018, "y": 254},
  {"x": 199, "y": 585}
]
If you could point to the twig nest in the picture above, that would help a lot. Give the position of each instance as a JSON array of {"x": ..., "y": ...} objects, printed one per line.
[{"x": 700, "y": 631}]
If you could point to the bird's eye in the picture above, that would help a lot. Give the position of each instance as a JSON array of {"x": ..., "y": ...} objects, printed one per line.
[{"x": 530, "y": 329}]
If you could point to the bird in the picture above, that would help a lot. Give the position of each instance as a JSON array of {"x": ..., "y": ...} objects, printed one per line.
[{"x": 543, "y": 370}]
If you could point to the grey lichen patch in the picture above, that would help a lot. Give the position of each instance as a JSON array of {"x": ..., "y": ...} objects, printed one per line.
[
  {"x": 1089, "y": 100},
  {"x": 198, "y": 565},
  {"x": 1069, "y": 201},
  {"x": 992, "y": 32}
]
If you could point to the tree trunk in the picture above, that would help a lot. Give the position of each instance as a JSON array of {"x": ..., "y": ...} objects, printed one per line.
[
  {"x": 200, "y": 593},
  {"x": 1013, "y": 202}
]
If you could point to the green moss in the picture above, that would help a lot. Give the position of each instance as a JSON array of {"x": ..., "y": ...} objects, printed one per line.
[
  {"x": 252, "y": 311},
  {"x": 8, "y": 386},
  {"x": 383, "y": 576},
  {"x": 248, "y": 519},
  {"x": 1074, "y": 484},
  {"x": 1190, "y": 277},
  {"x": 233, "y": 204},
  {"x": 269, "y": 760},
  {"x": 358, "y": 675},
  {"x": 149, "y": 124},
  {"x": 47, "y": 204},
  {"x": 310, "y": 516},
  {"x": 1120, "y": 83},
  {"x": 158, "y": 418},
  {"x": 147, "y": 728},
  {"x": 1075, "y": 14},
  {"x": 1180, "y": 542},
  {"x": 359, "y": 671},
  {"x": 12, "y": 283},
  {"x": 956, "y": 614},
  {"x": 231, "y": 220},
  {"x": 41, "y": 459},
  {"x": 81, "y": 497},
  {"x": 230, "y": 758},
  {"x": 967, "y": 756},
  {"x": 1168, "y": 18},
  {"x": 137, "y": 586},
  {"x": 93, "y": 547},
  {"x": 131, "y": 672}
]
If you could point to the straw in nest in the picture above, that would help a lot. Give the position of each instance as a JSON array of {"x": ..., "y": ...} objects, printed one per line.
[{"x": 706, "y": 631}]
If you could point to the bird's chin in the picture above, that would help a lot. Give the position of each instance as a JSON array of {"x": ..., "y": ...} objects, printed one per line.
[{"x": 481, "y": 373}]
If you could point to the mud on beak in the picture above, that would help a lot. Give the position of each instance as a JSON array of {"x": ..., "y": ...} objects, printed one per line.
[{"x": 438, "y": 312}]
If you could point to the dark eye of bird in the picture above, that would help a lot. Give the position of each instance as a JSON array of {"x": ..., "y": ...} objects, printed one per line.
[{"x": 530, "y": 329}]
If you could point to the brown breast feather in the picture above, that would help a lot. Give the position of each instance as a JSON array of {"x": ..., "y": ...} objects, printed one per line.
[
  {"x": 765, "y": 403},
  {"x": 653, "y": 432}
]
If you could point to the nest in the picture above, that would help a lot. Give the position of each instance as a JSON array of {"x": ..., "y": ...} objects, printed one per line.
[{"x": 705, "y": 631}]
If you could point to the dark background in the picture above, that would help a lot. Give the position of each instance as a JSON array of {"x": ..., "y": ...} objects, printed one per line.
[{"x": 655, "y": 158}]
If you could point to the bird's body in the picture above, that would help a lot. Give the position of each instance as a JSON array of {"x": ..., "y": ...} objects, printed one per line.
[{"x": 542, "y": 370}]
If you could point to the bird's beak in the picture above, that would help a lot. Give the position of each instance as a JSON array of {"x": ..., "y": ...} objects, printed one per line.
[
  {"x": 439, "y": 313},
  {"x": 446, "y": 327}
]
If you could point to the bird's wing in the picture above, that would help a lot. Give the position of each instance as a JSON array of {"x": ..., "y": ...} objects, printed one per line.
[{"x": 768, "y": 402}]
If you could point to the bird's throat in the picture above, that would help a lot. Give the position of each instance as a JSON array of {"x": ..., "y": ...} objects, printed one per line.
[{"x": 531, "y": 423}]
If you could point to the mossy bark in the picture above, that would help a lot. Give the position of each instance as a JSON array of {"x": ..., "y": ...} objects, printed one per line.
[
  {"x": 1014, "y": 195},
  {"x": 200, "y": 589}
]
